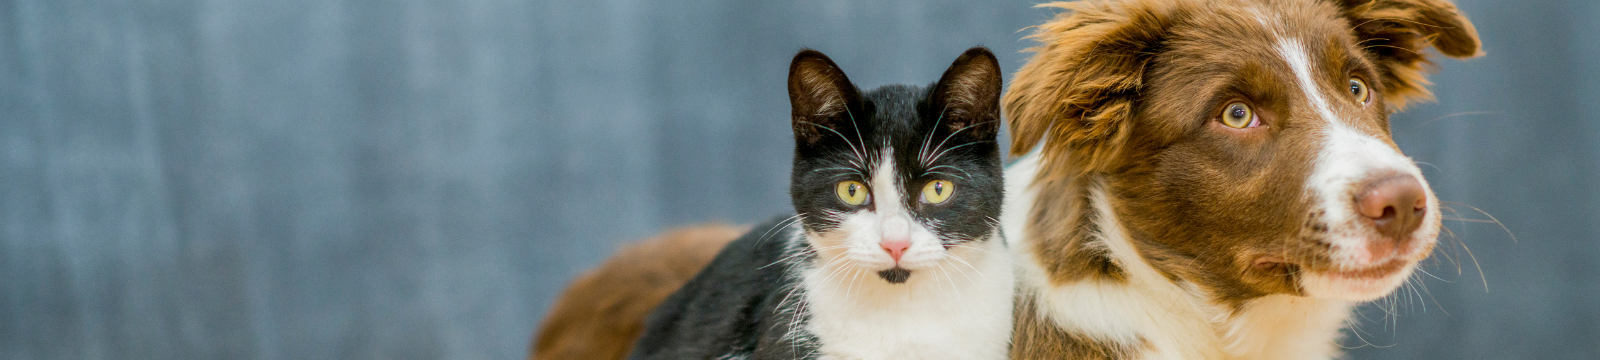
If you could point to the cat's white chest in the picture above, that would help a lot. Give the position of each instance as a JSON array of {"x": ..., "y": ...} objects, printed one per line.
[{"x": 953, "y": 312}]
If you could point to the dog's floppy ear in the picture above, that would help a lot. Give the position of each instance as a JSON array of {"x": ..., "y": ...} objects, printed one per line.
[
  {"x": 969, "y": 94},
  {"x": 1077, "y": 94},
  {"x": 820, "y": 96},
  {"x": 1397, "y": 34}
]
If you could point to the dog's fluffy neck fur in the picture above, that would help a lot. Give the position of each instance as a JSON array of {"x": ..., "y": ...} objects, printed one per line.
[
  {"x": 1144, "y": 312},
  {"x": 955, "y": 311}
]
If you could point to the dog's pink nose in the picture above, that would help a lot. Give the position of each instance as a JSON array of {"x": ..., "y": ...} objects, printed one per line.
[
  {"x": 1394, "y": 204},
  {"x": 895, "y": 247}
]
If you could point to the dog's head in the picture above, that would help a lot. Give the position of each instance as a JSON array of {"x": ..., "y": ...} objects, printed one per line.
[{"x": 1245, "y": 144}]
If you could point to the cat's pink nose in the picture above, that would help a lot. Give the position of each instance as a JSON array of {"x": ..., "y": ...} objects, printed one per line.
[{"x": 895, "y": 247}]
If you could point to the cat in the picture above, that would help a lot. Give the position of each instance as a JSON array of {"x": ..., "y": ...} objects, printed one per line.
[{"x": 894, "y": 252}]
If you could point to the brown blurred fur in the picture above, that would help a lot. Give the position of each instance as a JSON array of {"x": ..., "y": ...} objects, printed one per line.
[{"x": 602, "y": 313}]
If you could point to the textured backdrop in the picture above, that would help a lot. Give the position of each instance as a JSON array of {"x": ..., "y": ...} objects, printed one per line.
[{"x": 417, "y": 179}]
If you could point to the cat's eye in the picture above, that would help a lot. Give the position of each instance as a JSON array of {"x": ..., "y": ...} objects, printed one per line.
[
  {"x": 1360, "y": 91},
  {"x": 1238, "y": 115},
  {"x": 938, "y": 191},
  {"x": 853, "y": 193}
]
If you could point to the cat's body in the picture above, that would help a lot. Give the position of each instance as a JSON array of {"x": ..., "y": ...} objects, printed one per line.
[
  {"x": 895, "y": 252},
  {"x": 728, "y": 299}
]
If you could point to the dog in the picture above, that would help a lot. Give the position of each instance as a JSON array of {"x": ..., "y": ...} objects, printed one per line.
[
  {"x": 1217, "y": 179},
  {"x": 601, "y": 314}
]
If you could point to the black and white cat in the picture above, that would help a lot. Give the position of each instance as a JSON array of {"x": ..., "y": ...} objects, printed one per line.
[{"x": 898, "y": 253}]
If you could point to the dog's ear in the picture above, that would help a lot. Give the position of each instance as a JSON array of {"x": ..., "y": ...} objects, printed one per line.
[
  {"x": 1077, "y": 94},
  {"x": 969, "y": 95},
  {"x": 820, "y": 96},
  {"x": 1397, "y": 34}
]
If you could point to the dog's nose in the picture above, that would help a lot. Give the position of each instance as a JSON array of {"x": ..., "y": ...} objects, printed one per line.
[{"x": 1395, "y": 205}]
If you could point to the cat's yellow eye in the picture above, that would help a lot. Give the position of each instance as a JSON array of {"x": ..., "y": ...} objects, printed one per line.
[
  {"x": 853, "y": 193},
  {"x": 938, "y": 191},
  {"x": 1238, "y": 115},
  {"x": 1360, "y": 91}
]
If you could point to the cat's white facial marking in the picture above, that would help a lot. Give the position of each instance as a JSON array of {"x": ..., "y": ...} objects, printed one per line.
[
  {"x": 885, "y": 236},
  {"x": 956, "y": 304}
]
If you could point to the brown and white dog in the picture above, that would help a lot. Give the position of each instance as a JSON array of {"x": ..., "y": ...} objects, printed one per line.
[{"x": 1217, "y": 179}]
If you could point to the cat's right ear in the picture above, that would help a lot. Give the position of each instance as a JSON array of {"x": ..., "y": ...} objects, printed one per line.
[
  {"x": 820, "y": 95},
  {"x": 969, "y": 94}
]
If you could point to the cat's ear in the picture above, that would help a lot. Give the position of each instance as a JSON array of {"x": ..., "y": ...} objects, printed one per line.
[
  {"x": 820, "y": 95},
  {"x": 969, "y": 94}
]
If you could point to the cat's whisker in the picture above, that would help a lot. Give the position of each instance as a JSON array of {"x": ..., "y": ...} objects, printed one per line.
[
  {"x": 947, "y": 174},
  {"x": 968, "y": 245},
  {"x": 959, "y": 291},
  {"x": 945, "y": 151},
  {"x": 802, "y": 253},
  {"x": 853, "y": 279},
  {"x": 859, "y": 141},
  {"x": 936, "y": 279},
  {"x": 844, "y": 171},
  {"x": 781, "y": 225},
  {"x": 922, "y": 153},
  {"x": 795, "y": 311},
  {"x": 853, "y": 147},
  {"x": 947, "y": 139},
  {"x": 963, "y": 272},
  {"x": 963, "y": 171},
  {"x": 829, "y": 264},
  {"x": 968, "y": 264}
]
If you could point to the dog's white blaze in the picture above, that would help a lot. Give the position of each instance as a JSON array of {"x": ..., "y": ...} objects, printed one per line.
[
  {"x": 947, "y": 309},
  {"x": 1175, "y": 319},
  {"x": 1295, "y": 54}
]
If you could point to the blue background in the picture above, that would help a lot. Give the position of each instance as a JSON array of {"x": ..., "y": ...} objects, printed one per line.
[{"x": 418, "y": 179}]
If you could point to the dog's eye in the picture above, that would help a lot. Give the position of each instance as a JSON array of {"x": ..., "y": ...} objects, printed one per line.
[
  {"x": 1238, "y": 115},
  {"x": 1359, "y": 90}
]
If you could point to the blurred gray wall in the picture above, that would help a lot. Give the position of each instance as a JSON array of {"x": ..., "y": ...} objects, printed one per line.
[{"x": 418, "y": 179}]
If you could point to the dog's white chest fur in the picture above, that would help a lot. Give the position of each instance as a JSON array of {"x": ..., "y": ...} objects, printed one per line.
[
  {"x": 1176, "y": 321},
  {"x": 956, "y": 312}
]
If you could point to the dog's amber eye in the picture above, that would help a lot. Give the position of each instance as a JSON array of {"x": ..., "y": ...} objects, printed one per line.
[
  {"x": 1359, "y": 90},
  {"x": 852, "y": 193},
  {"x": 938, "y": 191},
  {"x": 1238, "y": 115}
]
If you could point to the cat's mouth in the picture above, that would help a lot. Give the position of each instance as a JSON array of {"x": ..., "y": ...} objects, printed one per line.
[{"x": 896, "y": 275}]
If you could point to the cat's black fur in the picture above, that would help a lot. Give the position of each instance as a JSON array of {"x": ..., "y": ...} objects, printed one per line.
[{"x": 745, "y": 304}]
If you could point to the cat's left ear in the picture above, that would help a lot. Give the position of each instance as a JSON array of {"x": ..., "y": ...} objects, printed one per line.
[
  {"x": 821, "y": 97},
  {"x": 969, "y": 94}
]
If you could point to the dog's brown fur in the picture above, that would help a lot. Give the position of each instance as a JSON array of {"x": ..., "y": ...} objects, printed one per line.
[
  {"x": 1034, "y": 337},
  {"x": 601, "y": 315},
  {"x": 1122, "y": 96}
]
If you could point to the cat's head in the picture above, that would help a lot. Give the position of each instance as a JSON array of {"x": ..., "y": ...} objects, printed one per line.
[{"x": 900, "y": 178}]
